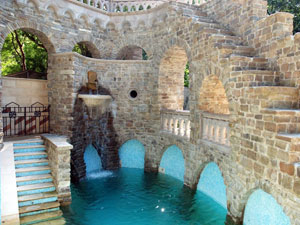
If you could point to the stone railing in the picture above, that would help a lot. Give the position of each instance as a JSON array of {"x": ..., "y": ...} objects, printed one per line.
[
  {"x": 133, "y": 5},
  {"x": 176, "y": 122},
  {"x": 215, "y": 128},
  {"x": 59, "y": 154}
]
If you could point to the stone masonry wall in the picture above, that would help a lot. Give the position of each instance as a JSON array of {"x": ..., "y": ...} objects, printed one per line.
[{"x": 217, "y": 39}]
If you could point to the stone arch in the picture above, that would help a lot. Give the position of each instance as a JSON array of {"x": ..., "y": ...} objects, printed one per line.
[
  {"x": 170, "y": 156},
  {"x": 35, "y": 3},
  {"x": 132, "y": 154},
  {"x": 211, "y": 182},
  {"x": 131, "y": 52},
  {"x": 86, "y": 40},
  {"x": 70, "y": 14},
  {"x": 53, "y": 8},
  {"x": 171, "y": 78},
  {"x": 212, "y": 97},
  {"x": 83, "y": 18},
  {"x": 263, "y": 208},
  {"x": 92, "y": 159}
]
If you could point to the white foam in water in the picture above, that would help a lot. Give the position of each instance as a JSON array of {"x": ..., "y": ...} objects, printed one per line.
[{"x": 93, "y": 164}]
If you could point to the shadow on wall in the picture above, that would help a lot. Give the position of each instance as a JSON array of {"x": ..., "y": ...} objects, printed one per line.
[
  {"x": 262, "y": 208},
  {"x": 172, "y": 163},
  {"x": 132, "y": 154},
  {"x": 212, "y": 184}
]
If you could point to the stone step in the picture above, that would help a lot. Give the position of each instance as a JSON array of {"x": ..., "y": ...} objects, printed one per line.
[
  {"x": 42, "y": 178},
  {"x": 37, "y": 198},
  {"x": 31, "y": 163},
  {"x": 38, "y": 207},
  {"x": 35, "y": 188},
  {"x": 28, "y": 142},
  {"x": 252, "y": 78},
  {"x": 29, "y": 148},
  {"x": 60, "y": 221},
  {"x": 279, "y": 97},
  {"x": 227, "y": 50},
  {"x": 30, "y": 155},
  {"x": 227, "y": 39},
  {"x": 239, "y": 62},
  {"x": 43, "y": 217},
  {"x": 29, "y": 171}
]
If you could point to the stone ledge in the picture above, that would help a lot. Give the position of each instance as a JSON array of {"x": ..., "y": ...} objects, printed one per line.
[
  {"x": 222, "y": 148},
  {"x": 60, "y": 142}
]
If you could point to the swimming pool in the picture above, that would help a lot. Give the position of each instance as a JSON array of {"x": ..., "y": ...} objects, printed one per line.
[{"x": 131, "y": 197}]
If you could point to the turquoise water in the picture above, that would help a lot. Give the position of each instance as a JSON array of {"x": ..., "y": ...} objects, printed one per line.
[
  {"x": 132, "y": 154},
  {"x": 132, "y": 197},
  {"x": 262, "y": 208}
]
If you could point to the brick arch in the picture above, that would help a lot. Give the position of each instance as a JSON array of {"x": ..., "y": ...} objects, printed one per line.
[
  {"x": 171, "y": 77},
  {"x": 199, "y": 170},
  {"x": 89, "y": 42},
  {"x": 267, "y": 187}
]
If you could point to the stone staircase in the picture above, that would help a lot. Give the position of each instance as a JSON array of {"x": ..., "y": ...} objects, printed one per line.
[
  {"x": 279, "y": 104},
  {"x": 37, "y": 196}
]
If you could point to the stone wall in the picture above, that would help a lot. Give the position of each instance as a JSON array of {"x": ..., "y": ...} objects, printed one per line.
[
  {"x": 217, "y": 39},
  {"x": 24, "y": 92}
]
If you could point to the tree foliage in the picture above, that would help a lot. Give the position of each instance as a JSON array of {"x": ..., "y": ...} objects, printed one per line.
[
  {"x": 23, "y": 51},
  {"x": 291, "y": 6},
  {"x": 82, "y": 49},
  {"x": 187, "y": 75}
]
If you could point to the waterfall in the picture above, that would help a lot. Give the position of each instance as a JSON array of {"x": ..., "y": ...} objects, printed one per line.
[{"x": 93, "y": 164}]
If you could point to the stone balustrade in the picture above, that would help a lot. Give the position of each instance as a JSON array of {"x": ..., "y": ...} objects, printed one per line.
[
  {"x": 133, "y": 5},
  {"x": 215, "y": 128},
  {"x": 176, "y": 122}
]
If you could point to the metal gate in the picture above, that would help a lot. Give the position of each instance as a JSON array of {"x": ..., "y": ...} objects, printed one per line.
[{"x": 19, "y": 120}]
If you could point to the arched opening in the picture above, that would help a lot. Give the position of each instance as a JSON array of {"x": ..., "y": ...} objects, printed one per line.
[
  {"x": 86, "y": 49},
  {"x": 132, "y": 154},
  {"x": 172, "y": 79},
  {"x": 211, "y": 183},
  {"x": 24, "y": 54},
  {"x": 141, "y": 8},
  {"x": 92, "y": 160},
  {"x": 132, "y": 52},
  {"x": 133, "y": 8},
  {"x": 212, "y": 96},
  {"x": 262, "y": 208},
  {"x": 172, "y": 163}
]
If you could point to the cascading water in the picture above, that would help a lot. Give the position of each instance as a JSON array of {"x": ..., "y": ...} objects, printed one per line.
[{"x": 93, "y": 164}]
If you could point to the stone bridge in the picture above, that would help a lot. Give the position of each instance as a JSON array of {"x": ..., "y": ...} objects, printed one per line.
[{"x": 244, "y": 79}]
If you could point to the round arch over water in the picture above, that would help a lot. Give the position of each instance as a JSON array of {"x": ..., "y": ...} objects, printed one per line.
[
  {"x": 211, "y": 183},
  {"x": 132, "y": 154},
  {"x": 172, "y": 162},
  {"x": 92, "y": 159},
  {"x": 262, "y": 208}
]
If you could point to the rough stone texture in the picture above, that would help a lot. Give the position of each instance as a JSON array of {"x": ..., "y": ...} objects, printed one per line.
[
  {"x": 59, "y": 150},
  {"x": 254, "y": 56}
]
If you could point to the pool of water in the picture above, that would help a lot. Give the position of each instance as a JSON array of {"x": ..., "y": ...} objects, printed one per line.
[{"x": 132, "y": 197}]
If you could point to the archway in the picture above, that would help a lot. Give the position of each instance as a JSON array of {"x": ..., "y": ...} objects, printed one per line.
[
  {"x": 211, "y": 183},
  {"x": 132, "y": 154},
  {"x": 262, "y": 208},
  {"x": 132, "y": 52},
  {"x": 86, "y": 49},
  {"x": 212, "y": 96},
  {"x": 92, "y": 159},
  {"x": 171, "y": 79},
  {"x": 172, "y": 163}
]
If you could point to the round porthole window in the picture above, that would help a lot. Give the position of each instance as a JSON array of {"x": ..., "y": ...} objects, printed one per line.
[{"x": 133, "y": 94}]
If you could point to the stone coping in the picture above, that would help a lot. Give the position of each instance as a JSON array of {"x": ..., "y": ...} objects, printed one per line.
[
  {"x": 9, "y": 195},
  {"x": 58, "y": 141},
  {"x": 221, "y": 148},
  {"x": 27, "y": 79},
  {"x": 102, "y": 60}
]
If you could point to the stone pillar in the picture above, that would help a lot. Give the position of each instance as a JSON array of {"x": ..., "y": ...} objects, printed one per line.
[{"x": 59, "y": 154}]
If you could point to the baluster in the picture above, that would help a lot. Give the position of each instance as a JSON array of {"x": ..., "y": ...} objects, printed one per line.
[
  {"x": 165, "y": 123},
  {"x": 217, "y": 131},
  {"x": 205, "y": 129},
  {"x": 188, "y": 129},
  {"x": 227, "y": 141},
  {"x": 182, "y": 127},
  {"x": 175, "y": 126},
  {"x": 170, "y": 125}
]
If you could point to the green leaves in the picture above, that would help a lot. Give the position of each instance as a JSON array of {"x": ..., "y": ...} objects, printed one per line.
[
  {"x": 23, "y": 51},
  {"x": 187, "y": 75},
  {"x": 291, "y": 6}
]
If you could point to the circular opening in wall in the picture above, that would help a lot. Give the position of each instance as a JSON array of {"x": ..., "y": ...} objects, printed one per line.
[{"x": 133, "y": 94}]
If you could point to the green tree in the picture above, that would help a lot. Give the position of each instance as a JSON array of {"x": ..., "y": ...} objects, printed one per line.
[
  {"x": 23, "y": 51},
  {"x": 291, "y": 6},
  {"x": 187, "y": 75},
  {"x": 82, "y": 49}
]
